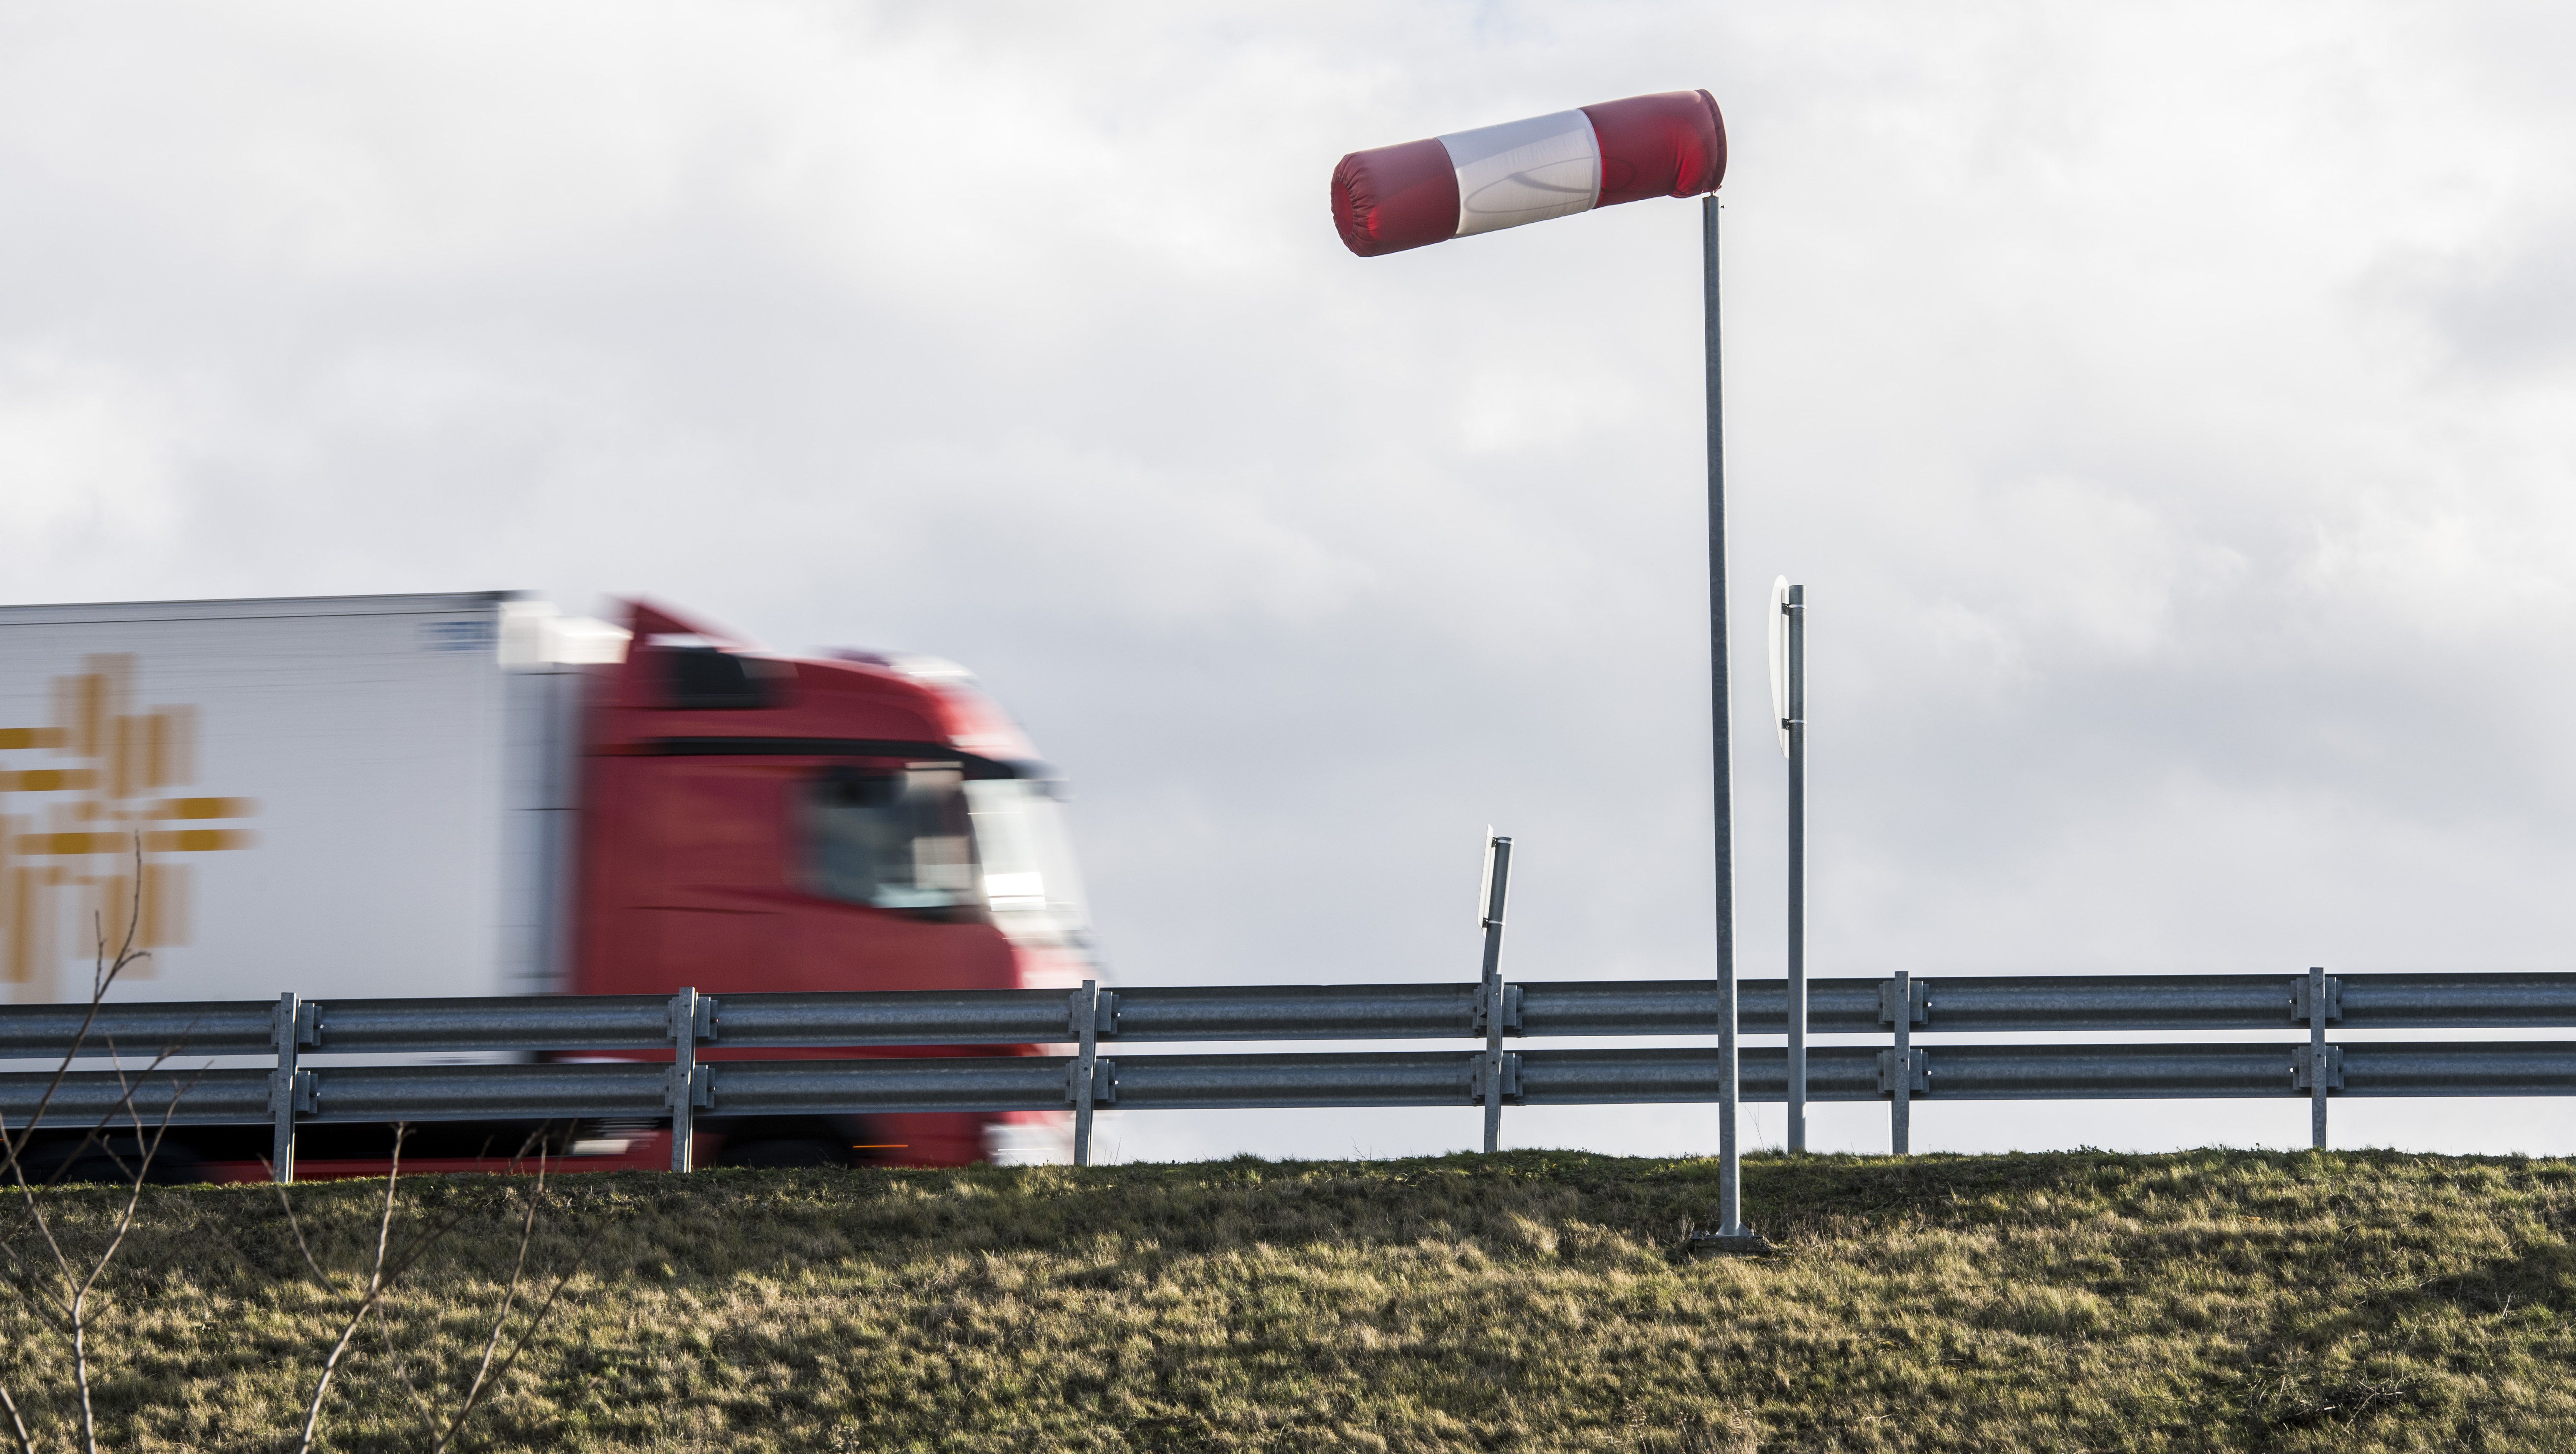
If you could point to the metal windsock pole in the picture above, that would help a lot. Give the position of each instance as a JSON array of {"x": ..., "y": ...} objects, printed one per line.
[
  {"x": 1730, "y": 1154},
  {"x": 1671, "y": 144}
]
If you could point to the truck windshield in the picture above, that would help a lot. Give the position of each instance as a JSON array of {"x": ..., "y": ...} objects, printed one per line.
[
  {"x": 928, "y": 842},
  {"x": 1030, "y": 886},
  {"x": 892, "y": 840}
]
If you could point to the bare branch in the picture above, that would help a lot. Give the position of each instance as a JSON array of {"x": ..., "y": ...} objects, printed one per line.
[
  {"x": 102, "y": 977},
  {"x": 393, "y": 1261},
  {"x": 509, "y": 1298},
  {"x": 536, "y": 1320},
  {"x": 295, "y": 1226},
  {"x": 65, "y": 1308},
  {"x": 24, "y": 1281},
  {"x": 402, "y": 1375},
  {"x": 17, "y": 1425},
  {"x": 13, "y": 1145},
  {"x": 385, "y": 1275},
  {"x": 45, "y": 1228},
  {"x": 522, "y": 1344},
  {"x": 142, "y": 1176},
  {"x": 75, "y": 1308},
  {"x": 78, "y": 1304},
  {"x": 372, "y": 1292},
  {"x": 421, "y": 1244},
  {"x": 16, "y": 1162},
  {"x": 125, "y": 1104}
]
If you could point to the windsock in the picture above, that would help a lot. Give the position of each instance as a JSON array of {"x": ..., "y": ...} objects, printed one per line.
[{"x": 1671, "y": 144}]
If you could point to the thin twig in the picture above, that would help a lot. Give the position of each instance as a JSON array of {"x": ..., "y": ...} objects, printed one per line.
[
  {"x": 17, "y": 1425},
  {"x": 388, "y": 1269},
  {"x": 61, "y": 1312},
  {"x": 391, "y": 1264},
  {"x": 66, "y": 1310},
  {"x": 115, "y": 1243},
  {"x": 536, "y": 1319},
  {"x": 11, "y": 1146},
  {"x": 402, "y": 1375},
  {"x": 76, "y": 1304},
  {"x": 149, "y": 1151},
  {"x": 124, "y": 1103},
  {"x": 509, "y": 1298},
  {"x": 373, "y": 1289},
  {"x": 101, "y": 978},
  {"x": 23, "y": 1281},
  {"x": 102, "y": 975},
  {"x": 295, "y": 1226}
]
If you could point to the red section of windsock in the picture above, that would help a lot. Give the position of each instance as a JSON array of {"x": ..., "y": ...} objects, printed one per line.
[
  {"x": 1394, "y": 197},
  {"x": 1390, "y": 198},
  {"x": 1671, "y": 144}
]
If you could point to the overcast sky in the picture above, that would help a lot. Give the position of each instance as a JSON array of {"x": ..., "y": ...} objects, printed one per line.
[{"x": 2167, "y": 408}]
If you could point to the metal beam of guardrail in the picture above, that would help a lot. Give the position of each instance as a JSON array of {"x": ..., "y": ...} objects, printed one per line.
[
  {"x": 1669, "y": 1074},
  {"x": 526, "y": 1022},
  {"x": 694, "y": 1032},
  {"x": 1986, "y": 1004},
  {"x": 206, "y": 1027},
  {"x": 1845, "y": 1006}
]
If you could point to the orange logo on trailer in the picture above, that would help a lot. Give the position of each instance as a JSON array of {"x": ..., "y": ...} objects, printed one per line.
[{"x": 72, "y": 821}]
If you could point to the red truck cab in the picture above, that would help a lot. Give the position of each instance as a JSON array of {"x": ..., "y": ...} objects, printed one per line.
[{"x": 757, "y": 822}]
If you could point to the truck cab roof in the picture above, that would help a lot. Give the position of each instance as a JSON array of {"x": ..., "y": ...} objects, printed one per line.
[{"x": 688, "y": 687}]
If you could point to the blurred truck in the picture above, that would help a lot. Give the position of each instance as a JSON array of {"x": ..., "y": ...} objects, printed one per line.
[{"x": 471, "y": 794}]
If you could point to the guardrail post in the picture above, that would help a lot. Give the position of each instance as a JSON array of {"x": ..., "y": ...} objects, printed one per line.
[
  {"x": 281, "y": 1086},
  {"x": 1086, "y": 1019},
  {"x": 682, "y": 1091},
  {"x": 1898, "y": 1007},
  {"x": 1498, "y": 878},
  {"x": 2321, "y": 1006}
]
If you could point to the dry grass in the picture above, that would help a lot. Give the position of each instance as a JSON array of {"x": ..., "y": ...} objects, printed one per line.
[{"x": 2213, "y": 1300}]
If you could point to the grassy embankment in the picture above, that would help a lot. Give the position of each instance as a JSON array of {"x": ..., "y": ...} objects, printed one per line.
[{"x": 1531, "y": 1301}]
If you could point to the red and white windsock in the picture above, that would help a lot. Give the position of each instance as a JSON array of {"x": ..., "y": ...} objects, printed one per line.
[{"x": 1671, "y": 144}]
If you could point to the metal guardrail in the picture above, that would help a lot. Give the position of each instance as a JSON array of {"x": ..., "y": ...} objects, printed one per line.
[{"x": 679, "y": 1084}]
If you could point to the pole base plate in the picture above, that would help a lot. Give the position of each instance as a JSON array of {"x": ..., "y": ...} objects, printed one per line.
[{"x": 1728, "y": 1244}]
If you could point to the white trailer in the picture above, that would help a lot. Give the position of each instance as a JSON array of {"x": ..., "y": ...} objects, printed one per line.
[{"x": 342, "y": 796}]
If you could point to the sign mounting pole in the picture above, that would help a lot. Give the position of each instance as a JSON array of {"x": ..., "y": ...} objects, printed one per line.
[
  {"x": 1793, "y": 722},
  {"x": 1788, "y": 620}
]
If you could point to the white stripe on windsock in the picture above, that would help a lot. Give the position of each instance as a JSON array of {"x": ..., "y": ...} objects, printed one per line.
[{"x": 1524, "y": 171}]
